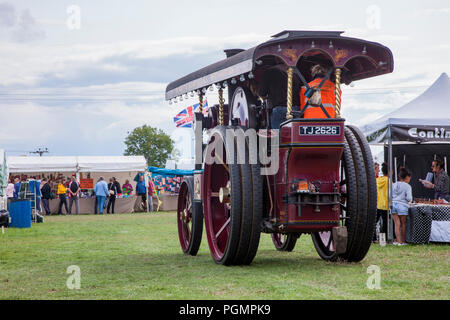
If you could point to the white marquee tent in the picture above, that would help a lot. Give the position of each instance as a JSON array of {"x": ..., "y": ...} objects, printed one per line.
[
  {"x": 41, "y": 164},
  {"x": 429, "y": 110},
  {"x": 111, "y": 164},
  {"x": 76, "y": 164}
]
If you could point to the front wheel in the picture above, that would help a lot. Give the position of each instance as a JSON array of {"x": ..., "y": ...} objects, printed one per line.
[
  {"x": 233, "y": 199},
  {"x": 284, "y": 242}
]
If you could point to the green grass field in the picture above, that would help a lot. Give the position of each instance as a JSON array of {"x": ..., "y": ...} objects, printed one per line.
[{"x": 137, "y": 256}]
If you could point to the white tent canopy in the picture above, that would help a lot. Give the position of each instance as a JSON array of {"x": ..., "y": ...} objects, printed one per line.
[
  {"x": 112, "y": 164},
  {"x": 76, "y": 164},
  {"x": 431, "y": 108},
  {"x": 41, "y": 164}
]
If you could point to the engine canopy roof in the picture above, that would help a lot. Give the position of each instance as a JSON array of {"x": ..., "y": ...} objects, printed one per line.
[{"x": 359, "y": 59}]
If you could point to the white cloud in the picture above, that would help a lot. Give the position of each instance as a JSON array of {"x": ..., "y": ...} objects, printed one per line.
[
  {"x": 431, "y": 12},
  {"x": 25, "y": 64},
  {"x": 8, "y": 17},
  {"x": 94, "y": 126},
  {"x": 19, "y": 27}
]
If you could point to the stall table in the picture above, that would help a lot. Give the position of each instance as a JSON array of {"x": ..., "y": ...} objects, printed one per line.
[
  {"x": 87, "y": 205},
  {"x": 428, "y": 223},
  {"x": 169, "y": 202}
]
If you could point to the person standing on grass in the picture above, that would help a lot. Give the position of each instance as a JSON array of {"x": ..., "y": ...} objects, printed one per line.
[
  {"x": 62, "y": 196},
  {"x": 9, "y": 191},
  {"x": 74, "y": 191},
  {"x": 141, "y": 202},
  {"x": 114, "y": 190},
  {"x": 16, "y": 188},
  {"x": 45, "y": 192},
  {"x": 150, "y": 195},
  {"x": 401, "y": 198},
  {"x": 101, "y": 192},
  {"x": 382, "y": 200}
]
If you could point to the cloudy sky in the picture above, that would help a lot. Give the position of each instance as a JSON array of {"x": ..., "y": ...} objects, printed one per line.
[{"x": 76, "y": 76}]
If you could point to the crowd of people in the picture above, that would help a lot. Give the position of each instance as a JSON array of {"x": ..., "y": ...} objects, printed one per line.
[
  {"x": 402, "y": 196},
  {"x": 68, "y": 193}
]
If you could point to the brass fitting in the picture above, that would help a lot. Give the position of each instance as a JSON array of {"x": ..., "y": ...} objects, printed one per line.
[
  {"x": 290, "y": 74},
  {"x": 221, "y": 107},
  {"x": 337, "y": 92}
]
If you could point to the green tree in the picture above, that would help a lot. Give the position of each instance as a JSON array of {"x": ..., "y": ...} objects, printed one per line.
[{"x": 152, "y": 143}]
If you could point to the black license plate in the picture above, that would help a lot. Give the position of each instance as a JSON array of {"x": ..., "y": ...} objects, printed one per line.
[{"x": 320, "y": 130}]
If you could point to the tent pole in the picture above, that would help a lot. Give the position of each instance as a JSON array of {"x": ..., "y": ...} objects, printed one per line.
[
  {"x": 395, "y": 169},
  {"x": 146, "y": 187},
  {"x": 390, "y": 229}
]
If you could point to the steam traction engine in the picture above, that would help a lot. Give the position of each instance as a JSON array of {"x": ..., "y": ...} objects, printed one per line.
[{"x": 318, "y": 175}]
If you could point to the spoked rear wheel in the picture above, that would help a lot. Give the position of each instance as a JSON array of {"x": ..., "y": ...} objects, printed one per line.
[
  {"x": 284, "y": 242},
  {"x": 190, "y": 218}
]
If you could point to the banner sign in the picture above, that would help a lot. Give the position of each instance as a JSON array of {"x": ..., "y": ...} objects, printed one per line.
[
  {"x": 421, "y": 133},
  {"x": 87, "y": 183}
]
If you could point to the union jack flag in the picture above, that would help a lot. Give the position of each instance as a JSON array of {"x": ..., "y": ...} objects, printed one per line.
[{"x": 185, "y": 118}]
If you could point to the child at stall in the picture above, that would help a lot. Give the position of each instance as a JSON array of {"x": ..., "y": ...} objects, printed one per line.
[{"x": 401, "y": 198}]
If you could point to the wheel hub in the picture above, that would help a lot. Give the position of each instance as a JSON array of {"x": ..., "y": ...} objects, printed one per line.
[
  {"x": 224, "y": 195},
  {"x": 185, "y": 216}
]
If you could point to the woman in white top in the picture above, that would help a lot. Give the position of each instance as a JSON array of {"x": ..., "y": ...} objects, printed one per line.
[{"x": 401, "y": 198}]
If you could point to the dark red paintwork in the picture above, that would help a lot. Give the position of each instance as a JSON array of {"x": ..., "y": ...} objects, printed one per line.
[{"x": 312, "y": 158}]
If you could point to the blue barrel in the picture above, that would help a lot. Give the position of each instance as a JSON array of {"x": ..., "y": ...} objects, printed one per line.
[{"x": 20, "y": 212}]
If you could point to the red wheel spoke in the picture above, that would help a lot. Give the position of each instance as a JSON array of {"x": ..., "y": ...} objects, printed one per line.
[
  {"x": 222, "y": 163},
  {"x": 223, "y": 227},
  {"x": 329, "y": 242},
  {"x": 189, "y": 206}
]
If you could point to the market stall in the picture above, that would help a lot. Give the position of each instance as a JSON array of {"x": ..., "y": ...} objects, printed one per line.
[
  {"x": 167, "y": 183},
  {"x": 428, "y": 221},
  {"x": 87, "y": 170},
  {"x": 413, "y": 136}
]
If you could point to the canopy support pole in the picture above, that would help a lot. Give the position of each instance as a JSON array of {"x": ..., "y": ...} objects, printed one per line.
[
  {"x": 395, "y": 169},
  {"x": 290, "y": 74},
  {"x": 200, "y": 102},
  {"x": 221, "y": 107},
  {"x": 337, "y": 92},
  {"x": 390, "y": 229}
]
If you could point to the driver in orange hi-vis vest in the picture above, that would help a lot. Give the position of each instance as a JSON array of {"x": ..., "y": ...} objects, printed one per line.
[{"x": 324, "y": 95}]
